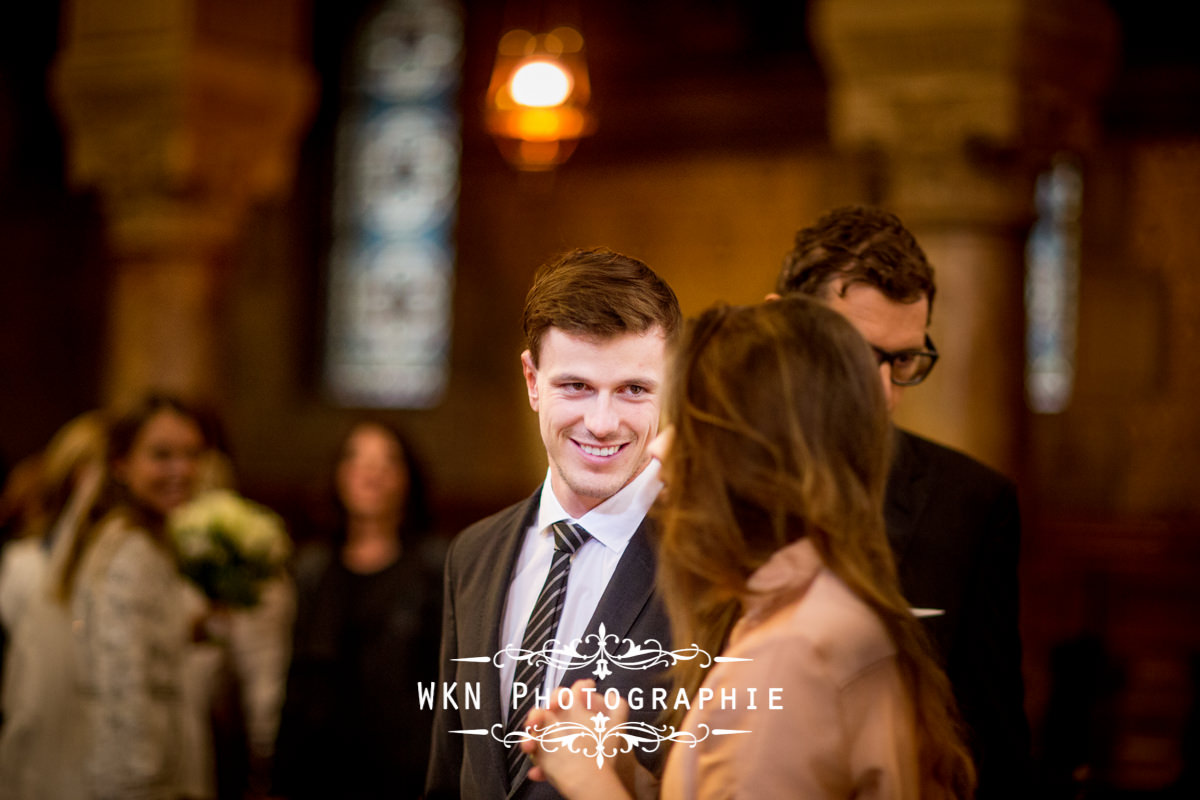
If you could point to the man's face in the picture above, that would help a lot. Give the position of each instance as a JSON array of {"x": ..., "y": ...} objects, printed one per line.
[
  {"x": 598, "y": 408},
  {"x": 886, "y": 323}
]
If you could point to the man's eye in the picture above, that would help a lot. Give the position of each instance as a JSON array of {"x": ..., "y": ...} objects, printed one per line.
[
  {"x": 904, "y": 359},
  {"x": 574, "y": 387},
  {"x": 636, "y": 390}
]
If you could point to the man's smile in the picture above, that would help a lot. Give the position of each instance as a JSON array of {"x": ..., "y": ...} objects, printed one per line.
[{"x": 596, "y": 450}]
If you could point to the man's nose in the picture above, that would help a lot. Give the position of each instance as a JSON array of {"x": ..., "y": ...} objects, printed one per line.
[{"x": 601, "y": 418}]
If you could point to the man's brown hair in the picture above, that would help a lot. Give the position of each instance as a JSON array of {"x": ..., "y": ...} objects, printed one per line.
[
  {"x": 598, "y": 293},
  {"x": 858, "y": 244}
]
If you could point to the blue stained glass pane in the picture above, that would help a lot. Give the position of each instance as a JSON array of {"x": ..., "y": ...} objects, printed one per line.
[
  {"x": 391, "y": 268},
  {"x": 1051, "y": 288}
]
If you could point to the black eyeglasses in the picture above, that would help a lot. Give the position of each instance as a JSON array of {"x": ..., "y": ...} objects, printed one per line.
[{"x": 909, "y": 367}]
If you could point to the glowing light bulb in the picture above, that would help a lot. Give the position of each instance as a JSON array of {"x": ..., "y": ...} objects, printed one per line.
[{"x": 541, "y": 84}]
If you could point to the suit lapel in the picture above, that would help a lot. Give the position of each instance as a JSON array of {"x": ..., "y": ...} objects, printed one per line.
[
  {"x": 907, "y": 494},
  {"x": 502, "y": 557},
  {"x": 627, "y": 593}
]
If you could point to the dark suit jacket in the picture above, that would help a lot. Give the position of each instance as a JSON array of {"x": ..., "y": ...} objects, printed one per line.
[
  {"x": 955, "y": 530},
  {"x": 479, "y": 565}
]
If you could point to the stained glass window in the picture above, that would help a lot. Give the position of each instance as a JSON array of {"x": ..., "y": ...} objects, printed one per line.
[
  {"x": 391, "y": 267},
  {"x": 1052, "y": 288}
]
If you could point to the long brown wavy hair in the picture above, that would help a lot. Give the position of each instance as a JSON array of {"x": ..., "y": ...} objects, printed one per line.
[{"x": 781, "y": 433}]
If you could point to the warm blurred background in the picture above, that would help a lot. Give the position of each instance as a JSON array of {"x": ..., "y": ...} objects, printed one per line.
[{"x": 171, "y": 207}]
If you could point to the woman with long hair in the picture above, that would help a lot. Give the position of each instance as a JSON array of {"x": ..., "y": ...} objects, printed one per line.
[
  {"x": 773, "y": 554},
  {"x": 67, "y": 479},
  {"x": 131, "y": 624},
  {"x": 366, "y": 631},
  {"x": 38, "y": 697}
]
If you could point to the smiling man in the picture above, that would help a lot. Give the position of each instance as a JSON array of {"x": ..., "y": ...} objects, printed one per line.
[{"x": 576, "y": 555}]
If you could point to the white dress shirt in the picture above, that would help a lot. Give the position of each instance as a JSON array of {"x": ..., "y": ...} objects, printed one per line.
[{"x": 611, "y": 524}]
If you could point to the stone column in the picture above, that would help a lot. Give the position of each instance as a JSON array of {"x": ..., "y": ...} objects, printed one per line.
[
  {"x": 179, "y": 114},
  {"x": 957, "y": 106}
]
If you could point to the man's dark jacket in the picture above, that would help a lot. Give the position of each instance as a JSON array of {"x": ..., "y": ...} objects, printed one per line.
[
  {"x": 479, "y": 566},
  {"x": 955, "y": 530}
]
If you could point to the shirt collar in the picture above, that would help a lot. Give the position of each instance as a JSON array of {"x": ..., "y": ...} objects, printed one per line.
[{"x": 615, "y": 520}]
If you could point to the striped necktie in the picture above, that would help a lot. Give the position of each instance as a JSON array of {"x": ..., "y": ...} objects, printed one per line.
[{"x": 543, "y": 624}]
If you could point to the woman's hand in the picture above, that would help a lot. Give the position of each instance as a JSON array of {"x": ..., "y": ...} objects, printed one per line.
[{"x": 573, "y": 773}]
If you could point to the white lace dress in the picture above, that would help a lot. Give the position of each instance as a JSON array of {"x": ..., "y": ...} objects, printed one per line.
[{"x": 131, "y": 633}]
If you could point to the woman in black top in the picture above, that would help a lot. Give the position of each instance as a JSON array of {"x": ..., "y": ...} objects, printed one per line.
[{"x": 367, "y": 631}]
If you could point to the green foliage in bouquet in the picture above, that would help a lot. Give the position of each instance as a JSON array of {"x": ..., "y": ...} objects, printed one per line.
[{"x": 228, "y": 545}]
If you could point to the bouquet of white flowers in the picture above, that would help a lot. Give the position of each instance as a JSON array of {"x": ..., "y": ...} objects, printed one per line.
[{"x": 228, "y": 545}]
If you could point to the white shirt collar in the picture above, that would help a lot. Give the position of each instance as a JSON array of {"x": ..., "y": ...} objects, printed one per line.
[{"x": 615, "y": 520}]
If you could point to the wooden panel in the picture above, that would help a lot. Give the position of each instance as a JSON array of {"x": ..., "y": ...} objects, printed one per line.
[{"x": 1111, "y": 624}]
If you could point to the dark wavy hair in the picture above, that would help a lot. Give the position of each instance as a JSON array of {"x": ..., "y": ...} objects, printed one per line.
[
  {"x": 782, "y": 433},
  {"x": 417, "y": 516},
  {"x": 858, "y": 244}
]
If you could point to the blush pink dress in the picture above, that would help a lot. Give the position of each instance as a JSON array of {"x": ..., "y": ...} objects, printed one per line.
[{"x": 844, "y": 728}]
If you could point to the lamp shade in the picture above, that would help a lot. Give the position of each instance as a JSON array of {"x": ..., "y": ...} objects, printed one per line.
[{"x": 536, "y": 107}]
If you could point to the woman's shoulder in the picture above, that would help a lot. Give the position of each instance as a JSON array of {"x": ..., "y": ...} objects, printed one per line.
[
  {"x": 22, "y": 567},
  {"x": 829, "y": 627}
]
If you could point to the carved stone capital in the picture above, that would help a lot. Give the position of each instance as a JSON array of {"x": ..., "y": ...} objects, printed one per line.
[
  {"x": 935, "y": 75},
  {"x": 179, "y": 114},
  {"x": 178, "y": 128}
]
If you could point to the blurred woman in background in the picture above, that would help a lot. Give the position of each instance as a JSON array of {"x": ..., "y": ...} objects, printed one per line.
[
  {"x": 367, "y": 630},
  {"x": 127, "y": 602},
  {"x": 38, "y": 696},
  {"x": 63, "y": 482}
]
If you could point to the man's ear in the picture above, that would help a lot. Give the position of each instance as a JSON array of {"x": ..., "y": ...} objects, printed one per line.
[{"x": 530, "y": 372}]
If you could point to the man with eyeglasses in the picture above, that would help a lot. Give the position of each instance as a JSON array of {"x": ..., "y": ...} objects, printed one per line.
[{"x": 953, "y": 523}]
